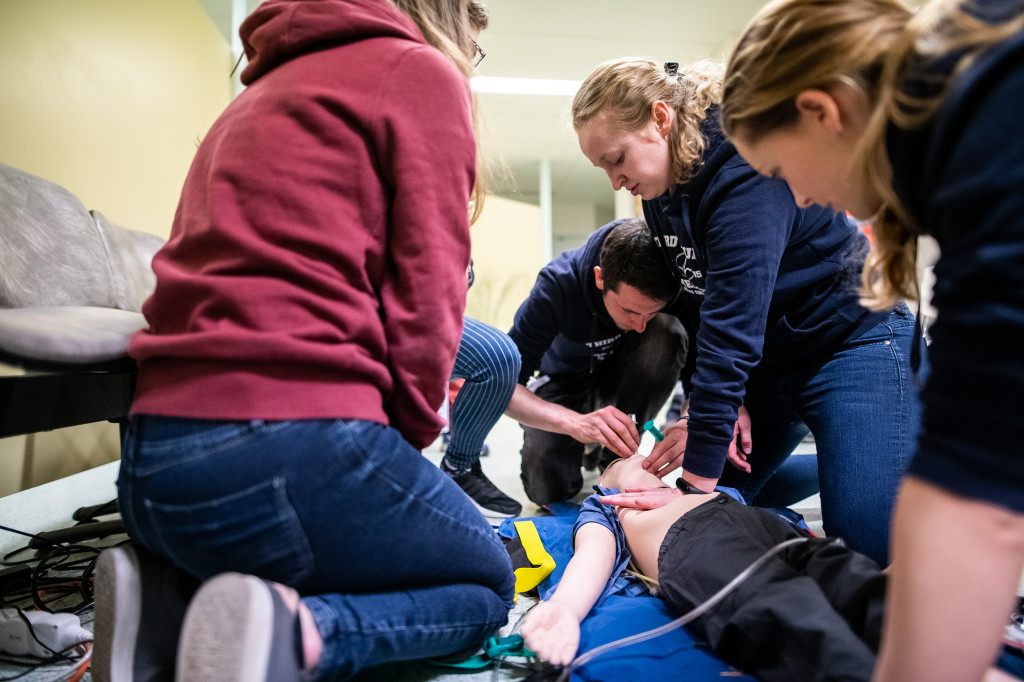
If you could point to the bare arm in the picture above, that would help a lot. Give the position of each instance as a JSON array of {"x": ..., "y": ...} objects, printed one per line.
[
  {"x": 941, "y": 540},
  {"x": 609, "y": 426},
  {"x": 552, "y": 628}
]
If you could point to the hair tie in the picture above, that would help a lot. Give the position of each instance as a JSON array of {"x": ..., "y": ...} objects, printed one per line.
[{"x": 672, "y": 68}]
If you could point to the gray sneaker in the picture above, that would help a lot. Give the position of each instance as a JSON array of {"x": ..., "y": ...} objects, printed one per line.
[{"x": 239, "y": 629}]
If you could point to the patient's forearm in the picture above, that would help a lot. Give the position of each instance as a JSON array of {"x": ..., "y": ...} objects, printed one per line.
[{"x": 588, "y": 571}]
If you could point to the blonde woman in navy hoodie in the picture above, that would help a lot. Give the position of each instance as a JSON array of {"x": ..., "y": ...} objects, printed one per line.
[
  {"x": 921, "y": 117},
  {"x": 305, "y": 321},
  {"x": 782, "y": 332}
]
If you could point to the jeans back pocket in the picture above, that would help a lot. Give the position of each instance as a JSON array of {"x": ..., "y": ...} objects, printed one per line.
[{"x": 255, "y": 531}]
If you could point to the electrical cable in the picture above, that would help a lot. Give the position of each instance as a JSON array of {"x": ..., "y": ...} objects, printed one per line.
[
  {"x": 49, "y": 575},
  {"x": 34, "y": 664},
  {"x": 588, "y": 656},
  {"x": 47, "y": 572},
  {"x": 77, "y": 665}
]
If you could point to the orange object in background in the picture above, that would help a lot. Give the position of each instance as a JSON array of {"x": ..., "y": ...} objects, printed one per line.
[
  {"x": 453, "y": 390},
  {"x": 865, "y": 228}
]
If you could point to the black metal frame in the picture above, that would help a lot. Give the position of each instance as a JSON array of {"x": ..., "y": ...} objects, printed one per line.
[{"x": 55, "y": 395}]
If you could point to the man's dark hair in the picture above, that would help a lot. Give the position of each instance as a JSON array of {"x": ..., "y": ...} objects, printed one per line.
[{"x": 630, "y": 256}]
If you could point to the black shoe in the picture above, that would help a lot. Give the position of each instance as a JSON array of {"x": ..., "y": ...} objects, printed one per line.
[
  {"x": 492, "y": 502},
  {"x": 140, "y": 604}
]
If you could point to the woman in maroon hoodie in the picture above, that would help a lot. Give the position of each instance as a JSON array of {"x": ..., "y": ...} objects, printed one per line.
[{"x": 305, "y": 321}]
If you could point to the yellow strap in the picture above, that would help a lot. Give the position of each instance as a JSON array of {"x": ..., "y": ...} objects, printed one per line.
[{"x": 529, "y": 577}]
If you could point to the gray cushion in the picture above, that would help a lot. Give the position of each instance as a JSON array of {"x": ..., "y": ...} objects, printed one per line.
[
  {"x": 129, "y": 254},
  {"x": 55, "y": 252},
  {"x": 71, "y": 281},
  {"x": 51, "y": 252},
  {"x": 72, "y": 334}
]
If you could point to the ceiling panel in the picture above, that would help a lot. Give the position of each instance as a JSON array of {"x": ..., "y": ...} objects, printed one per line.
[{"x": 565, "y": 40}]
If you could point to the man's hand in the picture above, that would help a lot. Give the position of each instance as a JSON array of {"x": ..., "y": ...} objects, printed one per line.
[
  {"x": 642, "y": 498},
  {"x": 551, "y": 630},
  {"x": 610, "y": 427}
]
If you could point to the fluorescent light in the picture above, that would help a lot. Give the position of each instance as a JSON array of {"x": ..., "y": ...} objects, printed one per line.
[{"x": 524, "y": 86}]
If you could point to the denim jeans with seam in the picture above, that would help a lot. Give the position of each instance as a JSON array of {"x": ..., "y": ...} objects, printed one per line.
[
  {"x": 862, "y": 406},
  {"x": 391, "y": 557}
]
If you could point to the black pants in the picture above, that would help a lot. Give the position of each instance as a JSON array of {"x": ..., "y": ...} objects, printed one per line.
[
  {"x": 813, "y": 612},
  {"x": 638, "y": 379}
]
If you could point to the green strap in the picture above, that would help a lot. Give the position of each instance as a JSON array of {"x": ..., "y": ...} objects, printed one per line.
[{"x": 493, "y": 649}]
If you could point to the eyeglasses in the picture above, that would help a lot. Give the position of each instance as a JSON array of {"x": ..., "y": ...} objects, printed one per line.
[{"x": 478, "y": 55}]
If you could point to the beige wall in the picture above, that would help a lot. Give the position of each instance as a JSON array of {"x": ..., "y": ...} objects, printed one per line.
[
  {"x": 107, "y": 98},
  {"x": 507, "y": 255}
]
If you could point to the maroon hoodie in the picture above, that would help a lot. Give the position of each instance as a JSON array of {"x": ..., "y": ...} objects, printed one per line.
[{"x": 317, "y": 263}]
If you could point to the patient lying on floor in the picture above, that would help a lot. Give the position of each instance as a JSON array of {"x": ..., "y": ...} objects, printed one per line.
[{"x": 813, "y": 611}]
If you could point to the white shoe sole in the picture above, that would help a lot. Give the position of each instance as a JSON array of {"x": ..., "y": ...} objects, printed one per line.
[
  {"x": 227, "y": 631},
  {"x": 118, "y": 612}
]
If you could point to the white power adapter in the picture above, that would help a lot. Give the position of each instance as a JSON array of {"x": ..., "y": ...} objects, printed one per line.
[{"x": 58, "y": 631}]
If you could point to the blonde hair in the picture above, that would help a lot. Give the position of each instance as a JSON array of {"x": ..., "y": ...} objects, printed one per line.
[
  {"x": 942, "y": 28},
  {"x": 795, "y": 45},
  {"x": 446, "y": 25},
  {"x": 627, "y": 89},
  {"x": 867, "y": 45},
  {"x": 478, "y": 15}
]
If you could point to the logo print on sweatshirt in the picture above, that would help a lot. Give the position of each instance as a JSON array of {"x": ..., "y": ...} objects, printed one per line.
[
  {"x": 690, "y": 276},
  {"x": 602, "y": 349},
  {"x": 691, "y": 279}
]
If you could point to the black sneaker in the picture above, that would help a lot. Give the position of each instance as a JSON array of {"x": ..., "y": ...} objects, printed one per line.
[{"x": 492, "y": 502}]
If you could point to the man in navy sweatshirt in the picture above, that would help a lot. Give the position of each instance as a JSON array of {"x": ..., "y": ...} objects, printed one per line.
[{"x": 605, "y": 356}]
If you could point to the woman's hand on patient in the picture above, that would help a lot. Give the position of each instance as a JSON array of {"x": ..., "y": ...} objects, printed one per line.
[
  {"x": 667, "y": 454},
  {"x": 552, "y": 631},
  {"x": 741, "y": 442},
  {"x": 642, "y": 498}
]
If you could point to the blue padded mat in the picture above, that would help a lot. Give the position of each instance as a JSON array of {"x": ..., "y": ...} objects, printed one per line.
[{"x": 622, "y": 614}]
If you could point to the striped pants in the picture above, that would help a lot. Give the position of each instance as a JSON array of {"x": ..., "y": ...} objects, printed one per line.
[{"x": 489, "y": 362}]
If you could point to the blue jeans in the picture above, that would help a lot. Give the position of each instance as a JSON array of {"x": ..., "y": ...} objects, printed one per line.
[
  {"x": 391, "y": 557},
  {"x": 861, "y": 404},
  {"x": 489, "y": 362}
]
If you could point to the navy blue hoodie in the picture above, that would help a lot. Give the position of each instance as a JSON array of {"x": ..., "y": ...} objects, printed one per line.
[
  {"x": 775, "y": 284},
  {"x": 961, "y": 177},
  {"x": 563, "y": 326}
]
